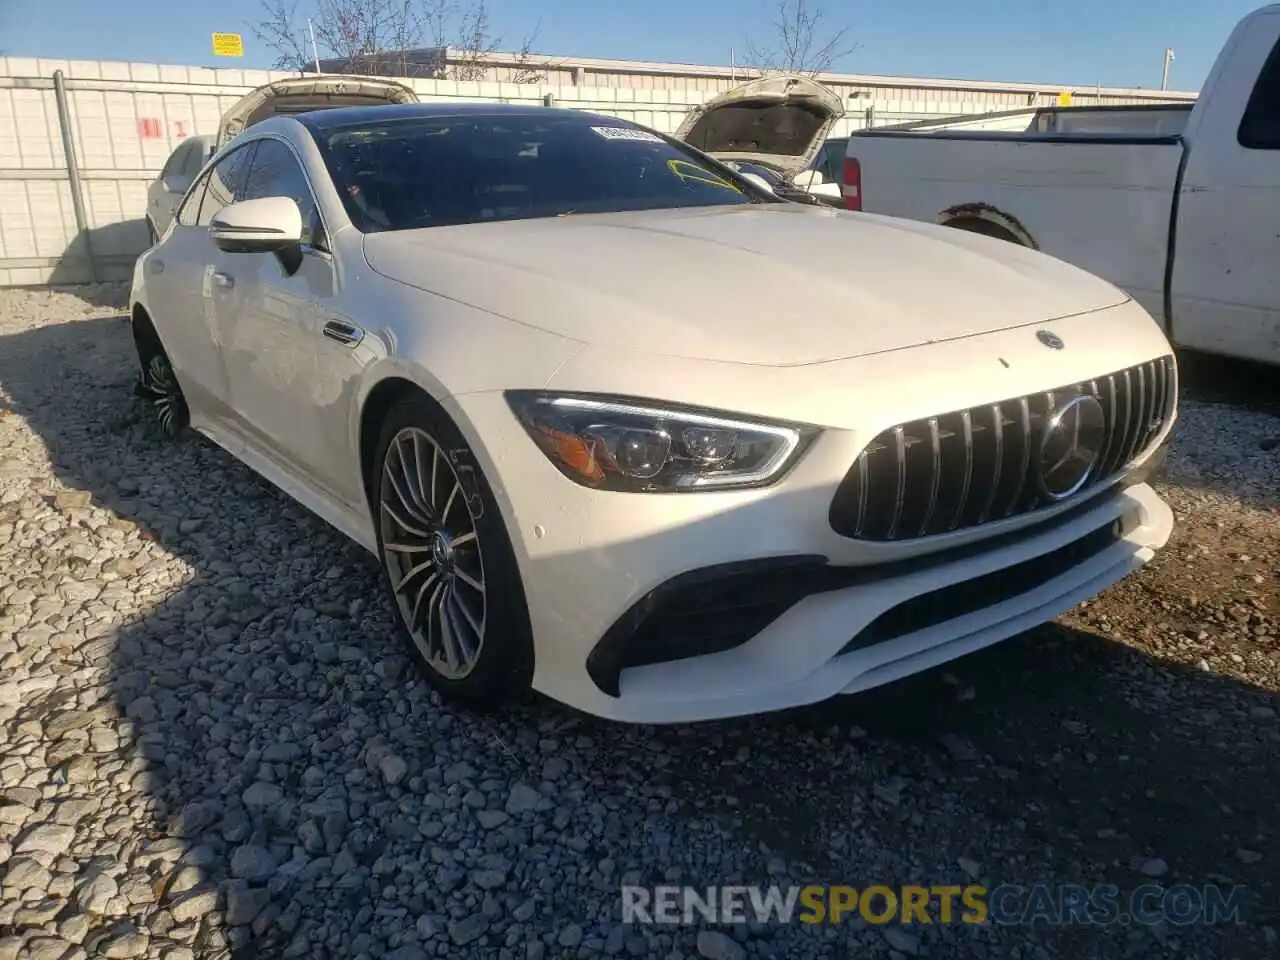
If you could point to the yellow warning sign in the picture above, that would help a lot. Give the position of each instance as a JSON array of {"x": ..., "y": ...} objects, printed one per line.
[
  {"x": 228, "y": 45},
  {"x": 1064, "y": 98}
]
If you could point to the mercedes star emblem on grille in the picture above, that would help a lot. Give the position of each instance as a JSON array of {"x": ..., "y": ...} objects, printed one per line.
[
  {"x": 1050, "y": 339},
  {"x": 1074, "y": 437}
]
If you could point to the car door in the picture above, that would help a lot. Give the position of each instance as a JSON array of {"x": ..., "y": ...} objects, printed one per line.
[
  {"x": 271, "y": 325},
  {"x": 183, "y": 293},
  {"x": 1224, "y": 285}
]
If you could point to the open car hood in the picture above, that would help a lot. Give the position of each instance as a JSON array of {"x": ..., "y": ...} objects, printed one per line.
[
  {"x": 300, "y": 94},
  {"x": 781, "y": 121}
]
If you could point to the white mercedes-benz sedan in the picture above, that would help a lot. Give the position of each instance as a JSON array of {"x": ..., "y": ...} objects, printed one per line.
[{"x": 623, "y": 427}]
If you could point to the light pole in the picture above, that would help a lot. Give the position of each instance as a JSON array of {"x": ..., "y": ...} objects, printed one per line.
[{"x": 1164, "y": 76}]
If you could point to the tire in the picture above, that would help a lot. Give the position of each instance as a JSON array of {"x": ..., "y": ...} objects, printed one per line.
[
  {"x": 157, "y": 383},
  {"x": 447, "y": 563},
  {"x": 986, "y": 228}
]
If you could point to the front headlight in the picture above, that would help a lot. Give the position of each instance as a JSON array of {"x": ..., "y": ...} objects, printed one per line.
[{"x": 642, "y": 447}]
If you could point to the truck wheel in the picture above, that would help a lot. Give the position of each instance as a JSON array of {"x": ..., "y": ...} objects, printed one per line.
[{"x": 984, "y": 227}]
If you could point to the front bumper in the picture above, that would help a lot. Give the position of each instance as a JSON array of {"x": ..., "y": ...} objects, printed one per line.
[{"x": 607, "y": 579}]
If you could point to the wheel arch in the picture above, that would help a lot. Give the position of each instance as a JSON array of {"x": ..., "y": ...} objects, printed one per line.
[{"x": 988, "y": 220}]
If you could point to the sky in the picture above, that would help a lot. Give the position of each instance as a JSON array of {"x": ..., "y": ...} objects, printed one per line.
[{"x": 1081, "y": 42}]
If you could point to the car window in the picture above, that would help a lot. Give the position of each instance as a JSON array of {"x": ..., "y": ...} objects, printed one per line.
[
  {"x": 277, "y": 173},
  {"x": 189, "y": 212},
  {"x": 1260, "y": 126},
  {"x": 176, "y": 161},
  {"x": 830, "y": 160},
  {"x": 196, "y": 156},
  {"x": 424, "y": 171},
  {"x": 225, "y": 183}
]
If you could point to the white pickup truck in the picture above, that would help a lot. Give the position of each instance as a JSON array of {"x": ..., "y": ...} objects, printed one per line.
[{"x": 1177, "y": 204}]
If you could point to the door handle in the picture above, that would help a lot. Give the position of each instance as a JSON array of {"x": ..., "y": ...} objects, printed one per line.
[
  {"x": 155, "y": 265},
  {"x": 344, "y": 333},
  {"x": 224, "y": 280}
]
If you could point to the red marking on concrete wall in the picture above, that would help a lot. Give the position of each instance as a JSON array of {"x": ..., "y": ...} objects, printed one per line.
[{"x": 149, "y": 128}]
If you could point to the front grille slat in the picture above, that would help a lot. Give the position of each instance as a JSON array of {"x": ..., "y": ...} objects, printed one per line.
[
  {"x": 997, "y": 427},
  {"x": 968, "y": 467},
  {"x": 1024, "y": 462},
  {"x": 966, "y": 427},
  {"x": 935, "y": 451},
  {"x": 900, "y": 497}
]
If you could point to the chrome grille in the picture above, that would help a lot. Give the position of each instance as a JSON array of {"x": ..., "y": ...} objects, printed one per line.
[{"x": 973, "y": 466}]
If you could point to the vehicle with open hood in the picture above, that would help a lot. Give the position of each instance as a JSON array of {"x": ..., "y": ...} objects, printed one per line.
[
  {"x": 280, "y": 98},
  {"x": 772, "y": 128}
]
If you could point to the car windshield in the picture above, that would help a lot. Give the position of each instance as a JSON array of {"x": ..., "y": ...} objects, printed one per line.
[{"x": 405, "y": 173}]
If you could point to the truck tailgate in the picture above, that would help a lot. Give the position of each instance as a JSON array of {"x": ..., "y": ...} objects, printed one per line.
[{"x": 1101, "y": 203}]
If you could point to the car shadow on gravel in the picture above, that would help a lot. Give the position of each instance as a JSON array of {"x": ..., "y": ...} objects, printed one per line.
[{"x": 285, "y": 787}]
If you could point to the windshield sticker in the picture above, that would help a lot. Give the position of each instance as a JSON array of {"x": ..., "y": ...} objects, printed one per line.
[
  {"x": 691, "y": 171},
  {"x": 627, "y": 133}
]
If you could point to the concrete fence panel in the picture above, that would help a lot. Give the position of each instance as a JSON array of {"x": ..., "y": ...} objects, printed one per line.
[{"x": 119, "y": 122}]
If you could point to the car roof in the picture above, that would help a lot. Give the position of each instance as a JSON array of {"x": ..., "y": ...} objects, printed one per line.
[{"x": 336, "y": 117}]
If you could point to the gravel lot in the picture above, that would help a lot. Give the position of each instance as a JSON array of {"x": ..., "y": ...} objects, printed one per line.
[{"x": 210, "y": 745}]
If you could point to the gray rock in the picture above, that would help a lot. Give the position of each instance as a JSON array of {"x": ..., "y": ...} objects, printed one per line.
[
  {"x": 468, "y": 930},
  {"x": 94, "y": 895},
  {"x": 244, "y": 903},
  {"x": 522, "y": 797},
  {"x": 570, "y": 935},
  {"x": 253, "y": 863},
  {"x": 902, "y": 940},
  {"x": 194, "y": 904},
  {"x": 124, "y": 945},
  {"x": 261, "y": 795},
  {"x": 51, "y": 839},
  {"x": 714, "y": 945}
]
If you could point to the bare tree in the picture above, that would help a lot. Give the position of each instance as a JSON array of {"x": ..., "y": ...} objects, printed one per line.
[
  {"x": 802, "y": 42},
  {"x": 375, "y": 36}
]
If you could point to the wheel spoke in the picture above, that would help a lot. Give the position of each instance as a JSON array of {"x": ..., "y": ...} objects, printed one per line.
[
  {"x": 417, "y": 603},
  {"x": 435, "y": 464},
  {"x": 413, "y": 480},
  {"x": 463, "y": 539},
  {"x": 414, "y": 571},
  {"x": 452, "y": 649},
  {"x": 469, "y": 580},
  {"x": 406, "y": 547},
  {"x": 434, "y": 641},
  {"x": 419, "y": 471},
  {"x": 404, "y": 524},
  {"x": 407, "y": 503},
  {"x": 468, "y": 650},
  {"x": 470, "y": 617},
  {"x": 444, "y": 514}
]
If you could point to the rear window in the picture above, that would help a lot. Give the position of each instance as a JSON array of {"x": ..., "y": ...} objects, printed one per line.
[{"x": 411, "y": 172}]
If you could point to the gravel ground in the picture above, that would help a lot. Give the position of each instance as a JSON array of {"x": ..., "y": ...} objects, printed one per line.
[{"x": 210, "y": 745}]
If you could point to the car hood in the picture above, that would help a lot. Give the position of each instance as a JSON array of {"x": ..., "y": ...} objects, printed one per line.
[
  {"x": 301, "y": 94},
  {"x": 781, "y": 121},
  {"x": 769, "y": 284}
]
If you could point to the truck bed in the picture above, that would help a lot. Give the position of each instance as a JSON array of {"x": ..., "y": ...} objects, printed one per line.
[
  {"x": 1080, "y": 194},
  {"x": 1160, "y": 120}
]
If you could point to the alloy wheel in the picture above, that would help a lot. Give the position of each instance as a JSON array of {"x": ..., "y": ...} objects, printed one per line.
[
  {"x": 159, "y": 387},
  {"x": 431, "y": 551}
]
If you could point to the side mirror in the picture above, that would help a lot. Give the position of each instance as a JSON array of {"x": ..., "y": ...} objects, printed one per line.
[
  {"x": 758, "y": 180},
  {"x": 808, "y": 178},
  {"x": 266, "y": 225},
  {"x": 175, "y": 184}
]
